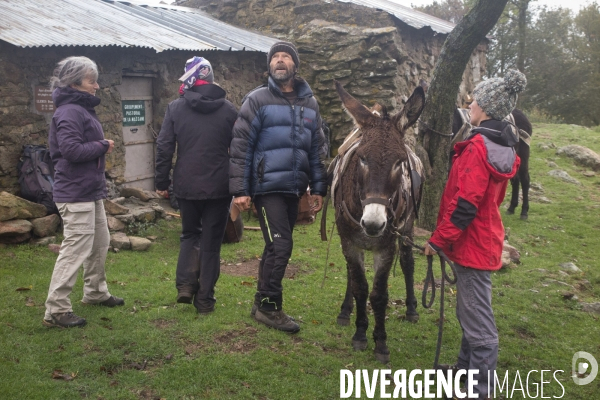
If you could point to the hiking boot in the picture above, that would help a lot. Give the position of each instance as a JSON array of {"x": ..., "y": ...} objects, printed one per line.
[
  {"x": 185, "y": 297},
  {"x": 277, "y": 319},
  {"x": 203, "y": 310},
  {"x": 255, "y": 307},
  {"x": 454, "y": 368},
  {"x": 112, "y": 301},
  {"x": 64, "y": 320},
  {"x": 459, "y": 394}
]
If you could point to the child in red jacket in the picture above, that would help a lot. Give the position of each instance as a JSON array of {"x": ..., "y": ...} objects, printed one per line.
[{"x": 469, "y": 226}]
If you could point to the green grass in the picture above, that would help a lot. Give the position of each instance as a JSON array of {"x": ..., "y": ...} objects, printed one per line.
[{"x": 227, "y": 355}]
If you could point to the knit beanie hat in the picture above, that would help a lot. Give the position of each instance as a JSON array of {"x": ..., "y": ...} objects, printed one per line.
[
  {"x": 286, "y": 47},
  {"x": 497, "y": 97},
  {"x": 197, "y": 68}
]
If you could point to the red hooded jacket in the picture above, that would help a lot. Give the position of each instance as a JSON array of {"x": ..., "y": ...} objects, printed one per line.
[{"x": 469, "y": 226}]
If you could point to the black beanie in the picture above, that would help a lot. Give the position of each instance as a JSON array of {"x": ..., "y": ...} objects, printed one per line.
[{"x": 286, "y": 47}]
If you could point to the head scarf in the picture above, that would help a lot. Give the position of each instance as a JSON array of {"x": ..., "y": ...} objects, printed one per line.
[{"x": 198, "y": 71}]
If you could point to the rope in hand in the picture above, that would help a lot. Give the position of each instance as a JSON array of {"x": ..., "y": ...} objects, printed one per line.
[{"x": 430, "y": 281}]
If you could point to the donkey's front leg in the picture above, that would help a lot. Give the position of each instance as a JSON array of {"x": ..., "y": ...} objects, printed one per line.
[
  {"x": 407, "y": 262},
  {"x": 360, "y": 290},
  {"x": 382, "y": 260},
  {"x": 343, "y": 318}
]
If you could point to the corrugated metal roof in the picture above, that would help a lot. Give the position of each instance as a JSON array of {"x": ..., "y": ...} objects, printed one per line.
[
  {"x": 198, "y": 24},
  {"x": 414, "y": 18},
  {"x": 39, "y": 23}
]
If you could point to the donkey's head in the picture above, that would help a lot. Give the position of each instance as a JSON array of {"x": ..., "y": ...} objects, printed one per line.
[{"x": 381, "y": 158}]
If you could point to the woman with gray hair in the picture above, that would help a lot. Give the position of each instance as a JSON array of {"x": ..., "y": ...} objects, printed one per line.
[{"x": 78, "y": 148}]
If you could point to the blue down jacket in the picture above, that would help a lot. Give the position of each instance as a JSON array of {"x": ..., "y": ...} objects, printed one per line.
[{"x": 276, "y": 144}]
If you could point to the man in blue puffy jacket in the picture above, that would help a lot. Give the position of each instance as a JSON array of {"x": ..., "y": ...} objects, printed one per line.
[{"x": 275, "y": 150}]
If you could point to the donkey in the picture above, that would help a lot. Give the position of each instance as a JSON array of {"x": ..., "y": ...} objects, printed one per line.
[
  {"x": 522, "y": 148},
  {"x": 376, "y": 188}
]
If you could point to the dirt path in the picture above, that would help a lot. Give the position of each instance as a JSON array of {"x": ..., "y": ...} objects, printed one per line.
[{"x": 250, "y": 268}]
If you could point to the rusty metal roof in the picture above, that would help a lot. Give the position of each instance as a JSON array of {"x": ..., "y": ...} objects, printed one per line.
[
  {"x": 411, "y": 17},
  {"x": 39, "y": 23}
]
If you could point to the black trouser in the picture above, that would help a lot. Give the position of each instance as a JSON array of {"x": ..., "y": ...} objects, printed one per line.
[
  {"x": 277, "y": 215},
  {"x": 202, "y": 229}
]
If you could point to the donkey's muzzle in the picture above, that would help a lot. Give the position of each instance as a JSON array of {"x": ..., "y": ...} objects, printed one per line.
[
  {"x": 373, "y": 230},
  {"x": 374, "y": 220}
]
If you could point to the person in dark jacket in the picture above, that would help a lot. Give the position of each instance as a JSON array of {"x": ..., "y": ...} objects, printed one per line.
[
  {"x": 199, "y": 124},
  {"x": 77, "y": 149},
  {"x": 275, "y": 157},
  {"x": 469, "y": 226}
]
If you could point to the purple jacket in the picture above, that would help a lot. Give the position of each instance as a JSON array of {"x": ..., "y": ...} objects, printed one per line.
[{"x": 77, "y": 147}]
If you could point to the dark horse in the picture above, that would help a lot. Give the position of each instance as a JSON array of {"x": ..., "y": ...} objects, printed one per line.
[
  {"x": 376, "y": 190},
  {"x": 522, "y": 149}
]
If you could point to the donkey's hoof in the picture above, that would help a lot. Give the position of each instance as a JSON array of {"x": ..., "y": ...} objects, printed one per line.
[
  {"x": 383, "y": 358},
  {"x": 359, "y": 345},
  {"x": 414, "y": 318},
  {"x": 343, "y": 321},
  {"x": 510, "y": 212},
  {"x": 524, "y": 217}
]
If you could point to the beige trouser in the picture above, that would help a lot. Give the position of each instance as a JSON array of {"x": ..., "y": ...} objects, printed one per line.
[{"x": 86, "y": 242}]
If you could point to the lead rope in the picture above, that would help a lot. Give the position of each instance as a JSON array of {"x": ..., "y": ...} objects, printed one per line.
[
  {"x": 430, "y": 281},
  {"x": 327, "y": 258}
]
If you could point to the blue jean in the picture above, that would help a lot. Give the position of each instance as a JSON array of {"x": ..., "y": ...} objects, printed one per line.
[{"x": 479, "y": 344}]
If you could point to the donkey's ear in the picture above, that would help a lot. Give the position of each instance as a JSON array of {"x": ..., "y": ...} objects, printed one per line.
[
  {"x": 411, "y": 111},
  {"x": 354, "y": 108}
]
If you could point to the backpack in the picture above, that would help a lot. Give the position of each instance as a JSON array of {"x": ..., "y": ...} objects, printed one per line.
[{"x": 36, "y": 176}]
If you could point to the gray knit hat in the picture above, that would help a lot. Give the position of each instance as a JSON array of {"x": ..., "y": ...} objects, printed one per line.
[
  {"x": 286, "y": 47},
  {"x": 497, "y": 97}
]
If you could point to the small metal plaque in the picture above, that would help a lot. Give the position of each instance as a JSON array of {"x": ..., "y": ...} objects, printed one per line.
[{"x": 42, "y": 97}]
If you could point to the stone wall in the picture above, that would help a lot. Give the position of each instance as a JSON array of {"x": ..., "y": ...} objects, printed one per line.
[
  {"x": 21, "y": 69},
  {"x": 377, "y": 57}
]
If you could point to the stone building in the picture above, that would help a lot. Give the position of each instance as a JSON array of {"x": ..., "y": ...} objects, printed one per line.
[
  {"x": 377, "y": 49},
  {"x": 140, "y": 52}
]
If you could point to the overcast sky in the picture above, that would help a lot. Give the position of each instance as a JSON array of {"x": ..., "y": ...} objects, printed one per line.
[{"x": 574, "y": 5}]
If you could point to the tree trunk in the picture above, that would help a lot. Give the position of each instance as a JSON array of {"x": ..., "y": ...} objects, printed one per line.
[
  {"x": 522, "y": 26},
  {"x": 436, "y": 120}
]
